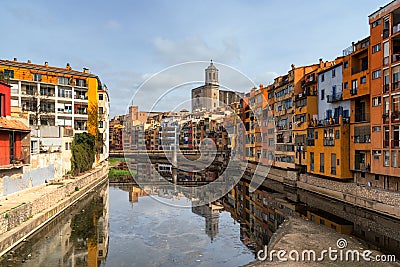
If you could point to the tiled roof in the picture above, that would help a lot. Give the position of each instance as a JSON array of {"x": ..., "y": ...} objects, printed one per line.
[{"x": 12, "y": 124}]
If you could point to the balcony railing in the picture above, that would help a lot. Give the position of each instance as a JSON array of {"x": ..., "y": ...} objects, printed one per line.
[
  {"x": 385, "y": 33},
  {"x": 395, "y": 58},
  {"x": 395, "y": 86},
  {"x": 395, "y": 143},
  {"x": 360, "y": 117},
  {"x": 385, "y": 61},
  {"x": 362, "y": 139},
  {"x": 353, "y": 91},
  {"x": 386, "y": 88},
  {"x": 385, "y": 118},
  {"x": 329, "y": 142},
  {"x": 334, "y": 97},
  {"x": 385, "y": 143},
  {"x": 396, "y": 28},
  {"x": 395, "y": 117},
  {"x": 310, "y": 142}
]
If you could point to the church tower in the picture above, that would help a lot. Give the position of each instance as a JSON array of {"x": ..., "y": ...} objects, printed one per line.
[{"x": 211, "y": 74}]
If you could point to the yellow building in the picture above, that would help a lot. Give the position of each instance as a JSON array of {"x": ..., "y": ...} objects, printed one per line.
[{"x": 53, "y": 95}]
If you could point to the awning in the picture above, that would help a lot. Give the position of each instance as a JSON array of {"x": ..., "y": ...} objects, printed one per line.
[{"x": 12, "y": 124}]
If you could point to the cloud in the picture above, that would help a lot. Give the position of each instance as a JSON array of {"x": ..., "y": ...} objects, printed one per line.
[
  {"x": 112, "y": 25},
  {"x": 193, "y": 48}
]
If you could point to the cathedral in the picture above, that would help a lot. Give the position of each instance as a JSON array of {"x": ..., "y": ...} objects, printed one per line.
[{"x": 209, "y": 97}]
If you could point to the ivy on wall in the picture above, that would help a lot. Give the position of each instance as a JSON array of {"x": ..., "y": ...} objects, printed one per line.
[{"x": 83, "y": 153}]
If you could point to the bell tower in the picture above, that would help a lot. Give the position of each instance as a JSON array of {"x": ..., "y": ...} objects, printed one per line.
[{"x": 211, "y": 74}]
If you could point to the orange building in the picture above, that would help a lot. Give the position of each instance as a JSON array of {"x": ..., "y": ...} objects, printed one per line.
[
  {"x": 384, "y": 59},
  {"x": 356, "y": 88}
]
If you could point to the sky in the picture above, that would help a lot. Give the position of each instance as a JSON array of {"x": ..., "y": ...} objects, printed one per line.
[{"x": 126, "y": 42}]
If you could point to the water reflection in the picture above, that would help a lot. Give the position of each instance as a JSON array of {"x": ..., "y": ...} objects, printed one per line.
[{"x": 78, "y": 237}]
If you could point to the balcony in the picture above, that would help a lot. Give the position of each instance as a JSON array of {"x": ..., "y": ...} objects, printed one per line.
[
  {"x": 361, "y": 117},
  {"x": 386, "y": 88},
  {"x": 395, "y": 58},
  {"x": 358, "y": 69},
  {"x": 395, "y": 86},
  {"x": 385, "y": 143},
  {"x": 310, "y": 142},
  {"x": 353, "y": 91},
  {"x": 395, "y": 143},
  {"x": 361, "y": 139},
  {"x": 385, "y": 61},
  {"x": 395, "y": 117},
  {"x": 385, "y": 118},
  {"x": 329, "y": 142},
  {"x": 396, "y": 29},
  {"x": 334, "y": 98},
  {"x": 385, "y": 33}
]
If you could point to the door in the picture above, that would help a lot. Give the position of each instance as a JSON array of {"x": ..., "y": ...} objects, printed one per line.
[{"x": 333, "y": 164}]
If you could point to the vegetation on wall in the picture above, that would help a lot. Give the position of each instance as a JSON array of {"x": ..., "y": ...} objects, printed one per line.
[{"x": 83, "y": 153}]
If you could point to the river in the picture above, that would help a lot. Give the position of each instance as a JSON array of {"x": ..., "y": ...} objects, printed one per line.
[{"x": 124, "y": 225}]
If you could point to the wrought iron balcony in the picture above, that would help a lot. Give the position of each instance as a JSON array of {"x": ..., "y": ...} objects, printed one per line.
[
  {"x": 329, "y": 142},
  {"x": 334, "y": 97}
]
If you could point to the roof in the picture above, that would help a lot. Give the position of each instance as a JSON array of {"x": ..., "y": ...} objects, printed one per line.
[
  {"x": 38, "y": 67},
  {"x": 11, "y": 124}
]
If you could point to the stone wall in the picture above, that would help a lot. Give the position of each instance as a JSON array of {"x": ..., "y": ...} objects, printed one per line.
[
  {"x": 15, "y": 217},
  {"x": 376, "y": 199}
]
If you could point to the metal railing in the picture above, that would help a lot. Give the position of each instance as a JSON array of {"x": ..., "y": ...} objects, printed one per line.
[{"x": 334, "y": 97}]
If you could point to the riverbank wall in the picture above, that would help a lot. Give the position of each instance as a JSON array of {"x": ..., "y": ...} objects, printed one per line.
[
  {"x": 372, "y": 198},
  {"x": 31, "y": 209}
]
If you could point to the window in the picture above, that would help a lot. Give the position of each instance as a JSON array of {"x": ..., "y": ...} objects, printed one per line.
[
  {"x": 386, "y": 158},
  {"x": 80, "y": 82},
  {"x": 376, "y": 101},
  {"x": 322, "y": 77},
  {"x": 9, "y": 74},
  {"x": 101, "y": 110},
  {"x": 321, "y": 163},
  {"x": 316, "y": 135},
  {"x": 376, "y": 48},
  {"x": 354, "y": 84},
  {"x": 363, "y": 80},
  {"x": 63, "y": 80},
  {"x": 100, "y": 124},
  {"x": 37, "y": 77},
  {"x": 333, "y": 73},
  {"x": 322, "y": 94},
  {"x": 346, "y": 64},
  {"x": 337, "y": 134},
  {"x": 376, "y": 74},
  {"x": 394, "y": 158},
  {"x": 376, "y": 128},
  {"x": 346, "y": 85},
  {"x": 100, "y": 96},
  {"x": 312, "y": 161},
  {"x": 396, "y": 104},
  {"x": 376, "y": 23}
]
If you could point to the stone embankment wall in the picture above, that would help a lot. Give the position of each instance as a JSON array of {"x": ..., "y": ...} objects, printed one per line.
[
  {"x": 27, "y": 217},
  {"x": 380, "y": 200}
]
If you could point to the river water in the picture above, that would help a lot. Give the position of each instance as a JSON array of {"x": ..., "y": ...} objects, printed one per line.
[{"x": 123, "y": 225}]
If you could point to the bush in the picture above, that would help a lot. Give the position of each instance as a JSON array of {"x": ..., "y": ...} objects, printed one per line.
[
  {"x": 83, "y": 153},
  {"x": 76, "y": 188}
]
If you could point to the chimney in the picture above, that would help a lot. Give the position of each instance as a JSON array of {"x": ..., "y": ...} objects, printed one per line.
[
  {"x": 292, "y": 66},
  {"x": 46, "y": 64},
  {"x": 68, "y": 67},
  {"x": 85, "y": 70},
  {"x": 29, "y": 61},
  {"x": 15, "y": 59}
]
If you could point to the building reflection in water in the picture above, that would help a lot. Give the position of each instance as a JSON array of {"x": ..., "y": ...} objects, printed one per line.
[
  {"x": 211, "y": 214},
  {"x": 262, "y": 212},
  {"x": 79, "y": 237}
]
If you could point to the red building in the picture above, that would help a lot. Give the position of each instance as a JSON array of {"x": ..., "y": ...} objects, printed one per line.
[{"x": 13, "y": 133}]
